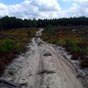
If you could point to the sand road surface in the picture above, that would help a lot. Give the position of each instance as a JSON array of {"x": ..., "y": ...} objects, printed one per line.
[{"x": 40, "y": 67}]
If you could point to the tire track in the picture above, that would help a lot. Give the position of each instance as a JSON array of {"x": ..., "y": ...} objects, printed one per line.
[
  {"x": 44, "y": 68},
  {"x": 72, "y": 82}
]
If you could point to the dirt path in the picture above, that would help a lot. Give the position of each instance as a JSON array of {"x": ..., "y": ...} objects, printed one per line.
[{"x": 41, "y": 67}]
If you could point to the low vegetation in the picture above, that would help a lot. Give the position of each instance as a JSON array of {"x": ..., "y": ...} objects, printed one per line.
[
  {"x": 13, "y": 42},
  {"x": 15, "y": 33},
  {"x": 73, "y": 38}
]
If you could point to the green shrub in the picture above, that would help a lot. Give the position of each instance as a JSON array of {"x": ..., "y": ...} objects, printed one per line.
[
  {"x": 76, "y": 49},
  {"x": 70, "y": 43},
  {"x": 73, "y": 47},
  {"x": 7, "y": 46}
]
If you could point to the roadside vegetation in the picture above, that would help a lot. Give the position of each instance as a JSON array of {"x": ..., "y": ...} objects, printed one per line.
[
  {"x": 15, "y": 33},
  {"x": 73, "y": 38},
  {"x": 13, "y": 42}
]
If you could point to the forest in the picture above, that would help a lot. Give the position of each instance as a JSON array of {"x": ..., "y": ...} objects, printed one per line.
[{"x": 13, "y": 22}]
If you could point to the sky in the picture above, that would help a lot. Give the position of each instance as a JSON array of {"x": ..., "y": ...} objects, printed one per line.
[{"x": 41, "y": 9}]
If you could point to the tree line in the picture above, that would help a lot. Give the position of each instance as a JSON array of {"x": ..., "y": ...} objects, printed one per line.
[{"x": 13, "y": 22}]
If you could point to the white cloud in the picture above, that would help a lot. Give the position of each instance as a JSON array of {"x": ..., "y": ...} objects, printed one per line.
[
  {"x": 44, "y": 9},
  {"x": 32, "y": 9},
  {"x": 79, "y": 8},
  {"x": 46, "y": 5},
  {"x": 3, "y": 10}
]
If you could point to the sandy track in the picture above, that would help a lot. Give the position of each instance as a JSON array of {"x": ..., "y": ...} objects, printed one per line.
[{"x": 42, "y": 67}]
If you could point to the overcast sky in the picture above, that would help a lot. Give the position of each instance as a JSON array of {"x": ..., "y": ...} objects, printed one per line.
[{"x": 44, "y": 8}]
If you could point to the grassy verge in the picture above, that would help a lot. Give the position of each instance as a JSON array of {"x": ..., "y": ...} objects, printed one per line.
[
  {"x": 13, "y": 42},
  {"x": 73, "y": 38}
]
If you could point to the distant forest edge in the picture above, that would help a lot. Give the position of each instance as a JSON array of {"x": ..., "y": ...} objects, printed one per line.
[{"x": 13, "y": 22}]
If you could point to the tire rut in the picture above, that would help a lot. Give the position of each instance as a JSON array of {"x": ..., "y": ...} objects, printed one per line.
[
  {"x": 60, "y": 63},
  {"x": 44, "y": 68}
]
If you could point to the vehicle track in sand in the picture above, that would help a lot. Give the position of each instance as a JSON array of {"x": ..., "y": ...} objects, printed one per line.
[{"x": 42, "y": 67}]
